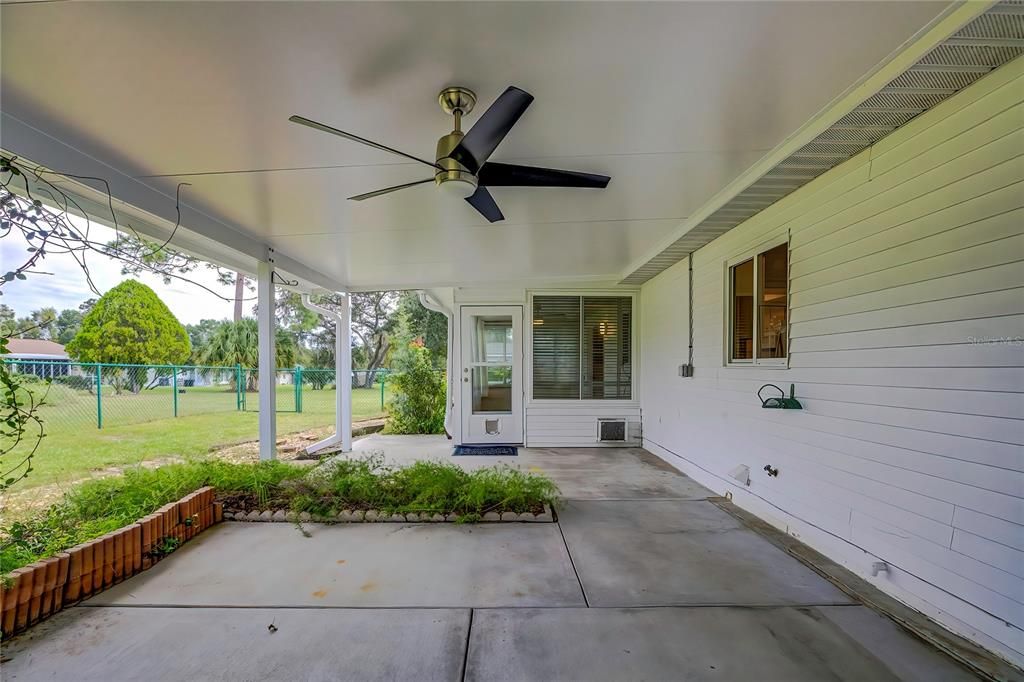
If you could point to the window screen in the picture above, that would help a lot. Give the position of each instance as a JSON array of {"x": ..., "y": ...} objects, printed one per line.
[
  {"x": 556, "y": 347},
  {"x": 773, "y": 275},
  {"x": 743, "y": 311}
]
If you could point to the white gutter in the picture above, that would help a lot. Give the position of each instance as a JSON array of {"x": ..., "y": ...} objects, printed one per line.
[
  {"x": 431, "y": 303},
  {"x": 342, "y": 376}
]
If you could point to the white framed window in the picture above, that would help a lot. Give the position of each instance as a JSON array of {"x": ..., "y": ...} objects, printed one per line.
[
  {"x": 582, "y": 347},
  {"x": 758, "y": 307}
]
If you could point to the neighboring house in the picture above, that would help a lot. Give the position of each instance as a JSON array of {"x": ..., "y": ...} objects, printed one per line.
[
  {"x": 187, "y": 378},
  {"x": 45, "y": 359},
  {"x": 831, "y": 203}
]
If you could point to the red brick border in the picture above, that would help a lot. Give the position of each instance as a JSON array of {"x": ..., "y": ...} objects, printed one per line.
[{"x": 35, "y": 592}]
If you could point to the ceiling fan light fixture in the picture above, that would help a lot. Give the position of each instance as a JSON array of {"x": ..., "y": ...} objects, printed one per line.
[{"x": 462, "y": 186}]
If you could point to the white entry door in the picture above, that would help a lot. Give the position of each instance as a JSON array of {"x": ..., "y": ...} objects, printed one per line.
[{"x": 492, "y": 374}]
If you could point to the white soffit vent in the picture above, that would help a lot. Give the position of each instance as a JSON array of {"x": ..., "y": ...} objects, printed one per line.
[
  {"x": 989, "y": 41},
  {"x": 612, "y": 431}
]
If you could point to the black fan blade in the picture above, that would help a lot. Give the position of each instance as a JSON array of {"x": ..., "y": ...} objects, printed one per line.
[
  {"x": 323, "y": 127},
  {"x": 387, "y": 190},
  {"x": 488, "y": 132},
  {"x": 510, "y": 175},
  {"x": 484, "y": 202}
]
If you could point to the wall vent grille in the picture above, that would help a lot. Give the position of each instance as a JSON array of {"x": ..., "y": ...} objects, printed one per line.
[{"x": 612, "y": 431}]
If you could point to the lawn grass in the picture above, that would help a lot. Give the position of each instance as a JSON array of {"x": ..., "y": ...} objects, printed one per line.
[
  {"x": 99, "y": 506},
  {"x": 74, "y": 446}
]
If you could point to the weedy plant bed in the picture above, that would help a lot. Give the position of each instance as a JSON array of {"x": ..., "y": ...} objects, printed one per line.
[
  {"x": 368, "y": 490},
  {"x": 426, "y": 488},
  {"x": 100, "y": 506},
  {"x": 107, "y": 530}
]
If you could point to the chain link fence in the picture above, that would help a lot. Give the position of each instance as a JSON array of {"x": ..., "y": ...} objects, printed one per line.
[
  {"x": 100, "y": 418},
  {"x": 103, "y": 395}
]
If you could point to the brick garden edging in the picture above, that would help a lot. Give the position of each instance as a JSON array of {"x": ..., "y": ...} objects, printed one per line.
[
  {"x": 375, "y": 516},
  {"x": 35, "y": 592}
]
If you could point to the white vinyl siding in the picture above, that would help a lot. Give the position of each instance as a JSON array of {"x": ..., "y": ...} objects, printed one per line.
[
  {"x": 907, "y": 352},
  {"x": 566, "y": 424}
]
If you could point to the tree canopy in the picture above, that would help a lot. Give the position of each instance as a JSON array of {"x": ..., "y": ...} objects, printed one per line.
[
  {"x": 130, "y": 324},
  {"x": 384, "y": 325},
  {"x": 416, "y": 323},
  {"x": 237, "y": 343}
]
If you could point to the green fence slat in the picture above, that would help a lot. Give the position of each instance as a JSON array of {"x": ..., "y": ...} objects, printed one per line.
[{"x": 99, "y": 397}]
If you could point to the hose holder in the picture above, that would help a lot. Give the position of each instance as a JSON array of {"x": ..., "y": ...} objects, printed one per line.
[{"x": 779, "y": 402}]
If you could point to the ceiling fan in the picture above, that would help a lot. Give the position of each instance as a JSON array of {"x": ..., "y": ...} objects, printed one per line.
[{"x": 462, "y": 159}]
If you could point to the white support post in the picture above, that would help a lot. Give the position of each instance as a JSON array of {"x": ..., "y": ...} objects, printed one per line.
[
  {"x": 267, "y": 359},
  {"x": 342, "y": 375}
]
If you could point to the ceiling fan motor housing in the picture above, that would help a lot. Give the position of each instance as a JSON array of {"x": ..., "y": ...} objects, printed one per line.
[{"x": 453, "y": 175}]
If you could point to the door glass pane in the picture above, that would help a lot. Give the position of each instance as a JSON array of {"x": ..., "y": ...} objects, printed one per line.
[
  {"x": 492, "y": 339},
  {"x": 742, "y": 345},
  {"x": 492, "y": 389},
  {"x": 773, "y": 277},
  {"x": 497, "y": 340}
]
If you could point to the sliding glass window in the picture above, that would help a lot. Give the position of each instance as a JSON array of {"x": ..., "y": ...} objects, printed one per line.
[
  {"x": 582, "y": 347},
  {"x": 758, "y": 307}
]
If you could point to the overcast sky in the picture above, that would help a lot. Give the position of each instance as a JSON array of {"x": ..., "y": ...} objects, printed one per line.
[{"x": 66, "y": 287}]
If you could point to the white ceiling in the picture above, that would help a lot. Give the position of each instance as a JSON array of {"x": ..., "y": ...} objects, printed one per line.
[{"x": 673, "y": 100}]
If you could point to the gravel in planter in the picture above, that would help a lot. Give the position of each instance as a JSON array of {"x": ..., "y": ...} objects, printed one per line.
[{"x": 377, "y": 516}]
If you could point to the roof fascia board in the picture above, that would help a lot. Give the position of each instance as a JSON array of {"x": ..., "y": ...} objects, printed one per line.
[{"x": 570, "y": 282}]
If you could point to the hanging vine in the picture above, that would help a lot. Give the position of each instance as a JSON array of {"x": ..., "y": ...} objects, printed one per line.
[{"x": 43, "y": 216}]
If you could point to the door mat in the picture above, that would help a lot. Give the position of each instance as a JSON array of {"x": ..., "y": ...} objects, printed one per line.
[{"x": 487, "y": 450}]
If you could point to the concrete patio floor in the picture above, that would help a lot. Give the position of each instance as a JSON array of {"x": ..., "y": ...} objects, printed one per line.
[{"x": 641, "y": 578}]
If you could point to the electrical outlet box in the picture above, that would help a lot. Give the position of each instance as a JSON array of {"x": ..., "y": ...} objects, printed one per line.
[{"x": 686, "y": 370}]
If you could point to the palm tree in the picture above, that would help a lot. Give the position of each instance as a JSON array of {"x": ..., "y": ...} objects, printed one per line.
[{"x": 237, "y": 343}]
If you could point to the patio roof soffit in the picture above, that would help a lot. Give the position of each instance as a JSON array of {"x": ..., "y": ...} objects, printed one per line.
[
  {"x": 149, "y": 211},
  {"x": 927, "y": 69}
]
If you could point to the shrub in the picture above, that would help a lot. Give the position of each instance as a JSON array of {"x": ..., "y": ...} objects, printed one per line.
[
  {"x": 419, "y": 395},
  {"x": 130, "y": 325}
]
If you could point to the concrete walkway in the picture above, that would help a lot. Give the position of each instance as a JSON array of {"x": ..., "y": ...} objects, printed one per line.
[{"x": 642, "y": 578}]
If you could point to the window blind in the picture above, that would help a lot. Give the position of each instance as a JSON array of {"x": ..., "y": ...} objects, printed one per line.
[
  {"x": 556, "y": 347},
  {"x": 606, "y": 348},
  {"x": 582, "y": 347}
]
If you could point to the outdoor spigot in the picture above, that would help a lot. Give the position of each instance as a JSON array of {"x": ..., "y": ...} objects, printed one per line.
[{"x": 771, "y": 471}]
